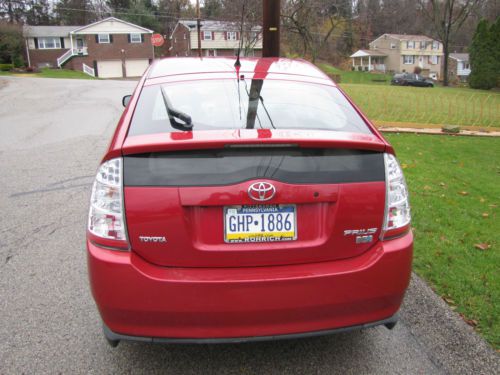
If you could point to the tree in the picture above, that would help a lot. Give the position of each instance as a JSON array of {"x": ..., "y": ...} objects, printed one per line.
[
  {"x": 11, "y": 44},
  {"x": 142, "y": 13},
  {"x": 212, "y": 9},
  {"x": 447, "y": 17},
  {"x": 314, "y": 22},
  {"x": 38, "y": 12},
  {"x": 74, "y": 12},
  {"x": 12, "y": 10},
  {"x": 484, "y": 73}
]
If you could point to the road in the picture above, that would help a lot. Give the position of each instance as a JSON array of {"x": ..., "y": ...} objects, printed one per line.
[{"x": 52, "y": 135}]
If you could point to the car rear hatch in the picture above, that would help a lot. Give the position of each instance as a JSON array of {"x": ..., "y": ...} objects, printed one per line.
[{"x": 197, "y": 199}]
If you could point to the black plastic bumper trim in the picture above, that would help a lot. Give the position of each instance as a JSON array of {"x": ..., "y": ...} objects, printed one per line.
[{"x": 116, "y": 337}]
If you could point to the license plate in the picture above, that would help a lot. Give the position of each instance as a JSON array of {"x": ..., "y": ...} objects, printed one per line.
[{"x": 269, "y": 223}]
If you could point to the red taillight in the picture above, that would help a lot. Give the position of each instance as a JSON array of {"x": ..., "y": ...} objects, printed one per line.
[
  {"x": 397, "y": 205},
  {"x": 106, "y": 224}
]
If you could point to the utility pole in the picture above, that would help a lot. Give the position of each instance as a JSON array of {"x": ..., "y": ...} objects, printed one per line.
[
  {"x": 198, "y": 26},
  {"x": 271, "y": 28}
]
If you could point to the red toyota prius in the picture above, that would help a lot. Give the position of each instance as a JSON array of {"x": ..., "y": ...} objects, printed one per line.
[{"x": 246, "y": 203}]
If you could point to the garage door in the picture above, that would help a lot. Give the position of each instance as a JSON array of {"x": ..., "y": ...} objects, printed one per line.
[
  {"x": 136, "y": 68},
  {"x": 109, "y": 69}
]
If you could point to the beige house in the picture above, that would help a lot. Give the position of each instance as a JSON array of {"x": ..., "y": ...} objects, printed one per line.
[{"x": 397, "y": 53}]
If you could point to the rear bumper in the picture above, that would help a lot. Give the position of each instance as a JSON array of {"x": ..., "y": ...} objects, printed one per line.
[{"x": 138, "y": 300}]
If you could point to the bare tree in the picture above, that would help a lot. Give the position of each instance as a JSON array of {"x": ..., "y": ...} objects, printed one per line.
[
  {"x": 313, "y": 21},
  {"x": 447, "y": 17}
]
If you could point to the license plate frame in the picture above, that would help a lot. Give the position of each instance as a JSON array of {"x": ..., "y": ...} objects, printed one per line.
[{"x": 260, "y": 236}]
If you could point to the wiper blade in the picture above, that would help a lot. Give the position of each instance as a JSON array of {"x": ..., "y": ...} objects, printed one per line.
[{"x": 174, "y": 115}]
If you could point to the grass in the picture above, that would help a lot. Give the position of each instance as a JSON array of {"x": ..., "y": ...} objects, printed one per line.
[
  {"x": 386, "y": 104},
  {"x": 357, "y": 77},
  {"x": 52, "y": 73},
  {"x": 454, "y": 187},
  {"x": 435, "y": 106}
]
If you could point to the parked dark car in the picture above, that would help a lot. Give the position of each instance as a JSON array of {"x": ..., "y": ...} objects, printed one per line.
[{"x": 406, "y": 79}]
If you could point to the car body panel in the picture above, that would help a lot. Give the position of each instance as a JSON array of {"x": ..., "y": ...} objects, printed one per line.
[
  {"x": 138, "y": 298},
  {"x": 193, "y": 285}
]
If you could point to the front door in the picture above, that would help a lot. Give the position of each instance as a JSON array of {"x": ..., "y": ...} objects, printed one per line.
[{"x": 80, "y": 43}]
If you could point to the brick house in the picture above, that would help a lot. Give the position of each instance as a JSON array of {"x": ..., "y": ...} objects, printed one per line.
[
  {"x": 397, "y": 53},
  {"x": 218, "y": 38},
  {"x": 109, "y": 48}
]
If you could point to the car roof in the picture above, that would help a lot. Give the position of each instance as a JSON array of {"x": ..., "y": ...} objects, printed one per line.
[{"x": 258, "y": 67}]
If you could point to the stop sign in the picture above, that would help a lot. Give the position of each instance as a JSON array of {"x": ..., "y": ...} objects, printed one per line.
[{"x": 157, "y": 40}]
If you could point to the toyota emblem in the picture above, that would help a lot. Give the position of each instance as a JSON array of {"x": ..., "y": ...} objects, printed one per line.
[{"x": 261, "y": 191}]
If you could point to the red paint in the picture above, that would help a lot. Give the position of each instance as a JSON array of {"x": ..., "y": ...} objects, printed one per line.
[{"x": 197, "y": 286}]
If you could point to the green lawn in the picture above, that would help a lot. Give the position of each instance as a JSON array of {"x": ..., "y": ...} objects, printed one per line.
[
  {"x": 386, "y": 104},
  {"x": 454, "y": 184},
  {"x": 435, "y": 106},
  {"x": 357, "y": 77},
  {"x": 52, "y": 73}
]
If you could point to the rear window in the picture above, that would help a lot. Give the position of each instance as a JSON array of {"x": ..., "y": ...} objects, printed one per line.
[
  {"x": 251, "y": 104},
  {"x": 231, "y": 166}
]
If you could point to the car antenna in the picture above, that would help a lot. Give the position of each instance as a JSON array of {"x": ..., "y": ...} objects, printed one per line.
[{"x": 237, "y": 63}]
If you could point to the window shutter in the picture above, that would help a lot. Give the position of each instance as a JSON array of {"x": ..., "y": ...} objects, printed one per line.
[
  {"x": 213, "y": 35},
  {"x": 237, "y": 36},
  {"x": 95, "y": 68},
  {"x": 129, "y": 38},
  {"x": 225, "y": 35},
  {"x": 36, "y": 43},
  {"x": 202, "y": 35},
  {"x": 111, "y": 38},
  {"x": 62, "y": 42},
  {"x": 97, "y": 38},
  {"x": 142, "y": 38}
]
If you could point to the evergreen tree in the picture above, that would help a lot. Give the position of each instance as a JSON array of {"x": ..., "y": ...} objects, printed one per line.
[
  {"x": 142, "y": 13},
  {"x": 482, "y": 57},
  {"x": 73, "y": 12}
]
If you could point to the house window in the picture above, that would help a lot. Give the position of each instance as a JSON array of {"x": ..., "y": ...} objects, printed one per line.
[
  {"x": 103, "y": 38},
  {"x": 207, "y": 35},
  {"x": 231, "y": 35},
  {"x": 408, "y": 59},
  {"x": 374, "y": 46},
  {"x": 135, "y": 38},
  {"x": 423, "y": 45},
  {"x": 466, "y": 66},
  {"x": 435, "y": 45},
  {"x": 49, "y": 43},
  {"x": 185, "y": 36},
  {"x": 410, "y": 44},
  {"x": 393, "y": 45},
  {"x": 434, "y": 60}
]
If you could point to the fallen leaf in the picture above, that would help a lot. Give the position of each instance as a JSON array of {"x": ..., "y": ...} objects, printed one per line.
[
  {"x": 427, "y": 187},
  {"x": 464, "y": 193},
  {"x": 482, "y": 246},
  {"x": 482, "y": 200},
  {"x": 449, "y": 300},
  {"x": 485, "y": 215},
  {"x": 404, "y": 166},
  {"x": 471, "y": 322},
  {"x": 442, "y": 184},
  {"x": 493, "y": 206}
]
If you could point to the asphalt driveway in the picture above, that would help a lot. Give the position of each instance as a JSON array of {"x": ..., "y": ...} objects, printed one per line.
[{"x": 52, "y": 135}]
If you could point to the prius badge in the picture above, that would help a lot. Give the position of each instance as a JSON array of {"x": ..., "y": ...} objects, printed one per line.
[
  {"x": 362, "y": 235},
  {"x": 261, "y": 191}
]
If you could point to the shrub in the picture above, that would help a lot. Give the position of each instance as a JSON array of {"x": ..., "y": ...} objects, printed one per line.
[
  {"x": 6, "y": 67},
  {"x": 18, "y": 61}
]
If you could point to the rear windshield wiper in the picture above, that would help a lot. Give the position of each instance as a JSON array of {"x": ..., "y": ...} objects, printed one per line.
[{"x": 174, "y": 115}]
